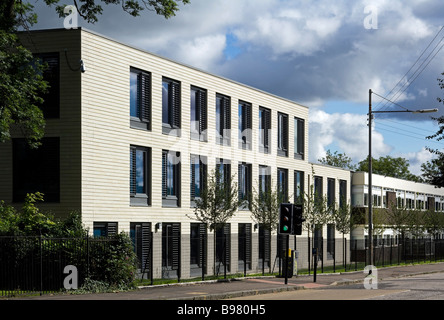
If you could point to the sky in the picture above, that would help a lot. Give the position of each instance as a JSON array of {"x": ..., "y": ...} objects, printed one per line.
[{"x": 323, "y": 54}]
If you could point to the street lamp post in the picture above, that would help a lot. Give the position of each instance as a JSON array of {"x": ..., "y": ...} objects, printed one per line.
[{"x": 370, "y": 186}]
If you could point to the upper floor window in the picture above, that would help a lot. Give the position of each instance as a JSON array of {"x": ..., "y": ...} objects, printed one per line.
[
  {"x": 140, "y": 160},
  {"x": 170, "y": 178},
  {"x": 51, "y": 74},
  {"x": 318, "y": 190},
  {"x": 299, "y": 138},
  {"x": 223, "y": 168},
  {"x": 342, "y": 193},
  {"x": 171, "y": 107},
  {"x": 245, "y": 125},
  {"x": 140, "y": 99},
  {"x": 282, "y": 184},
  {"x": 198, "y": 116},
  {"x": 244, "y": 183},
  {"x": 298, "y": 187},
  {"x": 223, "y": 119},
  {"x": 282, "y": 143},
  {"x": 264, "y": 179},
  {"x": 331, "y": 192},
  {"x": 264, "y": 129},
  {"x": 198, "y": 176}
]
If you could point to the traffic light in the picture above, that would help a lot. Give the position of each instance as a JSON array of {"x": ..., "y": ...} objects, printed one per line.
[
  {"x": 285, "y": 218},
  {"x": 297, "y": 219}
]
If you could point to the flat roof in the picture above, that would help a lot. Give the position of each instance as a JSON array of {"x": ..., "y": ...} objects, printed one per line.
[{"x": 167, "y": 59}]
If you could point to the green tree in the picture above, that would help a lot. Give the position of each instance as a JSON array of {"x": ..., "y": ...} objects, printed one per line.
[
  {"x": 265, "y": 206},
  {"x": 340, "y": 160},
  {"x": 433, "y": 171},
  {"x": 218, "y": 202},
  {"x": 21, "y": 85},
  {"x": 344, "y": 222},
  {"x": 389, "y": 166}
]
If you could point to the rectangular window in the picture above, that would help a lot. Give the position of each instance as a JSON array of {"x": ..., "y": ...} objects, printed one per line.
[
  {"x": 223, "y": 245},
  {"x": 171, "y": 107},
  {"x": 198, "y": 116},
  {"x": 36, "y": 170},
  {"x": 264, "y": 247},
  {"x": 244, "y": 184},
  {"x": 318, "y": 192},
  {"x": 298, "y": 187},
  {"x": 282, "y": 180},
  {"x": 330, "y": 241},
  {"x": 140, "y": 99},
  {"x": 104, "y": 229},
  {"x": 282, "y": 136},
  {"x": 224, "y": 170},
  {"x": 245, "y": 125},
  {"x": 223, "y": 120},
  {"x": 244, "y": 247},
  {"x": 51, "y": 74},
  {"x": 198, "y": 176},
  {"x": 141, "y": 237},
  {"x": 331, "y": 190},
  {"x": 140, "y": 175},
  {"x": 299, "y": 138},
  {"x": 198, "y": 252},
  {"x": 170, "y": 178},
  {"x": 264, "y": 129},
  {"x": 342, "y": 193},
  {"x": 264, "y": 179},
  {"x": 171, "y": 250}
]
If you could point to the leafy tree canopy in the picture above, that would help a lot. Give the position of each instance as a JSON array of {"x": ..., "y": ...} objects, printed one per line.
[
  {"x": 390, "y": 167},
  {"x": 340, "y": 160}
]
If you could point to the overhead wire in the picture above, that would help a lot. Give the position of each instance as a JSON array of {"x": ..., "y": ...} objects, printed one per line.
[{"x": 408, "y": 82}]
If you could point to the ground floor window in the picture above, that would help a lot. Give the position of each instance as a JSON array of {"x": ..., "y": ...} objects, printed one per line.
[
  {"x": 244, "y": 247},
  {"x": 171, "y": 250},
  {"x": 198, "y": 249},
  {"x": 223, "y": 245}
]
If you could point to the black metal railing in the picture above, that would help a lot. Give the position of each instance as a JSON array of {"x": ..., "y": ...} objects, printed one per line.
[{"x": 39, "y": 264}]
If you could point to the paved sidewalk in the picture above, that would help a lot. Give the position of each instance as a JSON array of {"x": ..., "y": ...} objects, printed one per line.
[{"x": 248, "y": 286}]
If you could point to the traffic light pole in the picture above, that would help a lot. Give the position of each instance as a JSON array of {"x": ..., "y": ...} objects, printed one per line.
[{"x": 287, "y": 247}]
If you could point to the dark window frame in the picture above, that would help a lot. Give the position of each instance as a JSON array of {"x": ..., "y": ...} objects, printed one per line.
[
  {"x": 140, "y": 199},
  {"x": 299, "y": 192},
  {"x": 143, "y": 100},
  {"x": 264, "y": 129},
  {"x": 331, "y": 192},
  {"x": 342, "y": 193},
  {"x": 106, "y": 229},
  {"x": 52, "y": 76},
  {"x": 223, "y": 123},
  {"x": 203, "y": 170},
  {"x": 264, "y": 178},
  {"x": 282, "y": 185},
  {"x": 282, "y": 134},
  {"x": 173, "y": 102},
  {"x": 245, "y": 125},
  {"x": 171, "y": 200},
  {"x": 246, "y": 182},
  {"x": 201, "y": 112},
  {"x": 244, "y": 246},
  {"x": 299, "y": 138}
]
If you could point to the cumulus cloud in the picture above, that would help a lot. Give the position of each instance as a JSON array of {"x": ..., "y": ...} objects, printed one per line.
[
  {"x": 308, "y": 51},
  {"x": 348, "y": 132}
]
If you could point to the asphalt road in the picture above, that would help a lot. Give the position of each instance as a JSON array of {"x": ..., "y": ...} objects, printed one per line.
[{"x": 420, "y": 287}]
